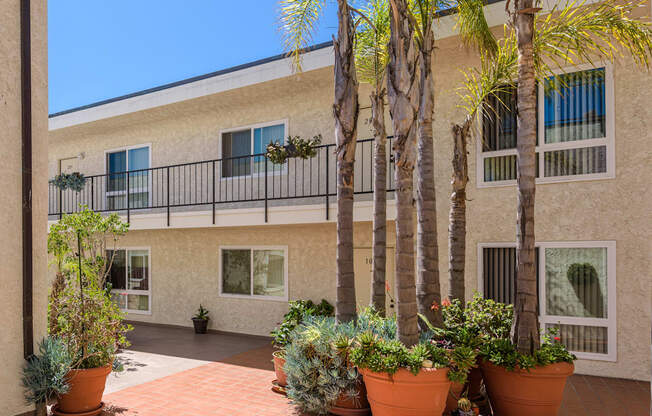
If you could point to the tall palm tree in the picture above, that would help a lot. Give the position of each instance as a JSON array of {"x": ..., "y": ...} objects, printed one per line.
[
  {"x": 495, "y": 75},
  {"x": 403, "y": 94},
  {"x": 474, "y": 30},
  {"x": 371, "y": 62},
  {"x": 577, "y": 32},
  {"x": 298, "y": 18}
]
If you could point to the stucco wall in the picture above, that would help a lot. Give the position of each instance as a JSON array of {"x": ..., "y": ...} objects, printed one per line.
[
  {"x": 11, "y": 330},
  {"x": 610, "y": 209},
  {"x": 185, "y": 272}
]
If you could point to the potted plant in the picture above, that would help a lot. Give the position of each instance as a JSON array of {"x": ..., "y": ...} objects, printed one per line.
[
  {"x": 299, "y": 310},
  {"x": 74, "y": 181},
  {"x": 200, "y": 320},
  {"x": 81, "y": 311},
  {"x": 278, "y": 153},
  {"x": 321, "y": 379},
  {"x": 44, "y": 374},
  {"x": 519, "y": 383}
]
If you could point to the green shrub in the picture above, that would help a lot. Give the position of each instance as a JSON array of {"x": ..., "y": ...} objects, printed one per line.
[
  {"x": 44, "y": 374},
  {"x": 299, "y": 309},
  {"x": 502, "y": 352},
  {"x": 278, "y": 153}
]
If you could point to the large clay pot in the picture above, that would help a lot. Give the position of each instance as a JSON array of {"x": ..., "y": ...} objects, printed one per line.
[
  {"x": 352, "y": 406},
  {"x": 86, "y": 390},
  {"x": 279, "y": 362},
  {"x": 405, "y": 394},
  {"x": 453, "y": 396},
  {"x": 537, "y": 392}
]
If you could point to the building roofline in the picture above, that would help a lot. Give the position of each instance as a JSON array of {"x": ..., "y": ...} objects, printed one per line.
[{"x": 190, "y": 80}]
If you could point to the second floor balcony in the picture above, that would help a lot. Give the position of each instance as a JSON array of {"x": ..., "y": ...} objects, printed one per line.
[{"x": 216, "y": 185}]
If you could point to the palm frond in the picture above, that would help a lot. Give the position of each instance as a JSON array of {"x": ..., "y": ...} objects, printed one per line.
[
  {"x": 497, "y": 74},
  {"x": 584, "y": 33},
  {"x": 371, "y": 41},
  {"x": 298, "y": 21},
  {"x": 473, "y": 26}
]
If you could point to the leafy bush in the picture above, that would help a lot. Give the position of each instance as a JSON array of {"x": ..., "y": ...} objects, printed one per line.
[
  {"x": 81, "y": 311},
  {"x": 503, "y": 353},
  {"x": 299, "y": 309},
  {"x": 44, "y": 374}
]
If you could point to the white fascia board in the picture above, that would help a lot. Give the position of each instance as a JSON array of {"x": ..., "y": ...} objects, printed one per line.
[{"x": 269, "y": 71}]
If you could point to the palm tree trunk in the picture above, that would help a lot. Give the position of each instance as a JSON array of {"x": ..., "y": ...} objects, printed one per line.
[
  {"x": 457, "y": 216},
  {"x": 428, "y": 286},
  {"x": 380, "y": 201},
  {"x": 345, "y": 110},
  {"x": 402, "y": 89},
  {"x": 525, "y": 329}
]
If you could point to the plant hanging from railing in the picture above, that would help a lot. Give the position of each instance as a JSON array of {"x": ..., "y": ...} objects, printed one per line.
[
  {"x": 74, "y": 181},
  {"x": 295, "y": 147}
]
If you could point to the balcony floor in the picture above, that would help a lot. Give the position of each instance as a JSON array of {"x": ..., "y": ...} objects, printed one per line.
[{"x": 184, "y": 374}]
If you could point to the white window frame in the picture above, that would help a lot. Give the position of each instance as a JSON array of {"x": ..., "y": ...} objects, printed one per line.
[
  {"x": 610, "y": 322},
  {"x": 283, "y": 298},
  {"x": 542, "y": 147},
  {"x": 135, "y": 291},
  {"x": 126, "y": 149},
  {"x": 251, "y": 128}
]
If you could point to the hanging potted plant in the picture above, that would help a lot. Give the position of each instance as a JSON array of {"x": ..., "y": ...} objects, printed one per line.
[
  {"x": 278, "y": 153},
  {"x": 200, "y": 320},
  {"x": 82, "y": 313},
  {"x": 299, "y": 310},
  {"x": 74, "y": 181}
]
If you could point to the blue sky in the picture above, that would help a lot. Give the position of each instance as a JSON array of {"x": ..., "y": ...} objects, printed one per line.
[{"x": 100, "y": 49}]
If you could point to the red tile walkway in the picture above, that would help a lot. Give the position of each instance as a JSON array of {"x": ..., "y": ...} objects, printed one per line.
[{"x": 240, "y": 386}]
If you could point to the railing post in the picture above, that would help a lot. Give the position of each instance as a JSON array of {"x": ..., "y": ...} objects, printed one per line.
[
  {"x": 213, "y": 192},
  {"x": 92, "y": 194},
  {"x": 60, "y": 204},
  {"x": 266, "y": 188},
  {"x": 128, "y": 210},
  {"x": 167, "y": 199},
  {"x": 327, "y": 183}
]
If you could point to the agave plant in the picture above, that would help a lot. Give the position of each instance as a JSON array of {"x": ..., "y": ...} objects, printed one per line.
[{"x": 44, "y": 374}]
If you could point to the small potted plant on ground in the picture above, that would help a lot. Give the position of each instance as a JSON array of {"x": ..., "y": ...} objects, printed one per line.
[
  {"x": 200, "y": 320},
  {"x": 299, "y": 310},
  {"x": 44, "y": 374}
]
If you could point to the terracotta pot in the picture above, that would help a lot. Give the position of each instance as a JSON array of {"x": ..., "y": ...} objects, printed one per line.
[
  {"x": 519, "y": 392},
  {"x": 475, "y": 383},
  {"x": 405, "y": 394},
  {"x": 453, "y": 396},
  {"x": 352, "y": 406},
  {"x": 279, "y": 362},
  {"x": 86, "y": 389}
]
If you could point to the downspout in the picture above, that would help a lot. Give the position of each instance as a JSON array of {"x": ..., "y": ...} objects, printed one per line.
[{"x": 26, "y": 139}]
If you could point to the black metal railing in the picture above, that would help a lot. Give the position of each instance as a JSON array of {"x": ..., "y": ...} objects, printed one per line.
[{"x": 226, "y": 182}]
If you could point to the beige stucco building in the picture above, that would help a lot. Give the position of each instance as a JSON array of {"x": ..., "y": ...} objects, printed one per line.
[
  {"x": 211, "y": 223},
  {"x": 12, "y": 293}
]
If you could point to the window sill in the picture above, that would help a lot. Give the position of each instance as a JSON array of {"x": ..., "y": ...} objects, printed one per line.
[
  {"x": 255, "y": 297},
  {"x": 553, "y": 180}
]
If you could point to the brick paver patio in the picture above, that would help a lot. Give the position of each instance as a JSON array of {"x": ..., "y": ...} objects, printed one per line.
[{"x": 239, "y": 385}]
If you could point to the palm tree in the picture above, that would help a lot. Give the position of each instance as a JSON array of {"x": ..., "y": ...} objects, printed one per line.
[
  {"x": 298, "y": 18},
  {"x": 496, "y": 75},
  {"x": 575, "y": 32},
  {"x": 371, "y": 62},
  {"x": 402, "y": 91}
]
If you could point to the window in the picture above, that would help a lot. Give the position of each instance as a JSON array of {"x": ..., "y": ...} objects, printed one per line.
[
  {"x": 576, "y": 283},
  {"x": 576, "y": 130},
  {"x": 118, "y": 163},
  {"x": 239, "y": 145},
  {"x": 254, "y": 272},
  {"x": 130, "y": 279}
]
